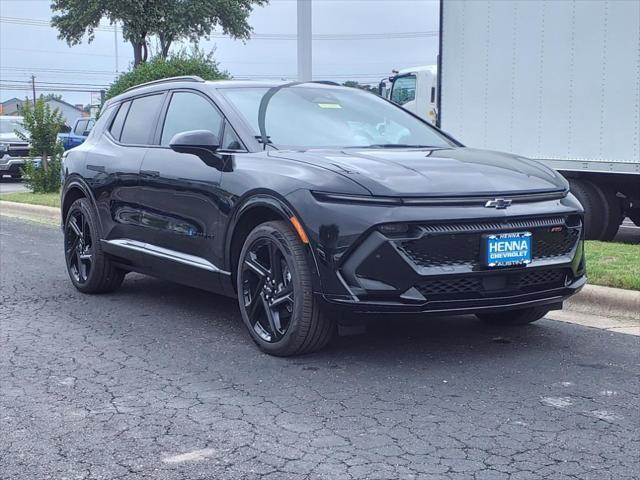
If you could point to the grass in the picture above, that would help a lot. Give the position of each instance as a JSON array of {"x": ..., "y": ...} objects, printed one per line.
[
  {"x": 46, "y": 199},
  {"x": 613, "y": 264}
]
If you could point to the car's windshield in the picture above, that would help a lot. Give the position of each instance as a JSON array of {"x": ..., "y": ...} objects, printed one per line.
[
  {"x": 10, "y": 125},
  {"x": 304, "y": 116}
]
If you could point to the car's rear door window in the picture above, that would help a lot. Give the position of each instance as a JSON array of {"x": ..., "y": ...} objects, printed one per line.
[
  {"x": 141, "y": 120},
  {"x": 189, "y": 111}
]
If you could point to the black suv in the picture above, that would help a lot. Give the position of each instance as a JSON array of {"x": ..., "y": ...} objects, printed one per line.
[{"x": 306, "y": 200}]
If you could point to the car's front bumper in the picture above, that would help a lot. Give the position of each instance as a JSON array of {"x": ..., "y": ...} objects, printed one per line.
[
  {"x": 436, "y": 265},
  {"x": 11, "y": 165}
]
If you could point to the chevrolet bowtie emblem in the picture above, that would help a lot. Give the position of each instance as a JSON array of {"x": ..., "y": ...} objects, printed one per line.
[{"x": 498, "y": 203}]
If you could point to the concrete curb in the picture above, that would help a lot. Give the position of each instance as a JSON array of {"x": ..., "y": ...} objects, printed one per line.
[
  {"x": 36, "y": 213},
  {"x": 606, "y": 301}
]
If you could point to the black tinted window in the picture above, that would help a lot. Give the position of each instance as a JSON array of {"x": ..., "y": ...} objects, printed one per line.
[
  {"x": 142, "y": 113},
  {"x": 118, "y": 122},
  {"x": 189, "y": 111}
]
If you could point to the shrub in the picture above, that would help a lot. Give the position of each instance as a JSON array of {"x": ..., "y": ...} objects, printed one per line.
[
  {"x": 181, "y": 63},
  {"x": 42, "y": 125},
  {"x": 39, "y": 180}
]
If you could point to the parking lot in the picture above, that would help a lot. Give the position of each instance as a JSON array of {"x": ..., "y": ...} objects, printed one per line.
[{"x": 162, "y": 381}]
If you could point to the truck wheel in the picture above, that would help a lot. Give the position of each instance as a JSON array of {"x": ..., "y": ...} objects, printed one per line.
[
  {"x": 514, "y": 317},
  {"x": 275, "y": 293},
  {"x": 595, "y": 212},
  {"x": 614, "y": 209}
]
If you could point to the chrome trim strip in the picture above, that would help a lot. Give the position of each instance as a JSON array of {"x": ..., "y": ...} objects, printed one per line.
[{"x": 167, "y": 254}]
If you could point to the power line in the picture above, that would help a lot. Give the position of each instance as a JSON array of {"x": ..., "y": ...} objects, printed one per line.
[{"x": 260, "y": 36}]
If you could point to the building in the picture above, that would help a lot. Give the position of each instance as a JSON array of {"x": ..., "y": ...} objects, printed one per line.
[{"x": 69, "y": 112}]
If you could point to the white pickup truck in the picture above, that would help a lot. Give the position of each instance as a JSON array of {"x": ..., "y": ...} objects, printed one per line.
[{"x": 13, "y": 150}]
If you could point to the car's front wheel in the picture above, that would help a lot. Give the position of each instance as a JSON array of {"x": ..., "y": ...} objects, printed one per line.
[
  {"x": 514, "y": 317},
  {"x": 275, "y": 293},
  {"x": 90, "y": 270}
]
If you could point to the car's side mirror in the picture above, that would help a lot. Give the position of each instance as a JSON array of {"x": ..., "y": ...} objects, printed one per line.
[{"x": 203, "y": 143}]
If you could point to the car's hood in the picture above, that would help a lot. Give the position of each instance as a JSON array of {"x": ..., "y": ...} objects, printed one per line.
[{"x": 439, "y": 172}]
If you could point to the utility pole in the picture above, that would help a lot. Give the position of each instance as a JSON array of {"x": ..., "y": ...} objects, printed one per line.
[
  {"x": 115, "y": 42},
  {"x": 304, "y": 41},
  {"x": 33, "y": 88}
]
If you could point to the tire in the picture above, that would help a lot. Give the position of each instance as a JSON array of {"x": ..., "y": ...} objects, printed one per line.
[
  {"x": 596, "y": 215},
  {"x": 95, "y": 273},
  {"x": 292, "y": 326},
  {"x": 613, "y": 211},
  {"x": 514, "y": 317}
]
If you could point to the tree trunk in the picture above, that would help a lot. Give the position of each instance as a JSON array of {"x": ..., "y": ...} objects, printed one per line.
[
  {"x": 45, "y": 161},
  {"x": 165, "y": 45},
  {"x": 140, "y": 52},
  {"x": 137, "y": 53}
]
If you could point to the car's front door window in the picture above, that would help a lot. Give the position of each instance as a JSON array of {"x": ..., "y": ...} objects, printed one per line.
[{"x": 189, "y": 111}]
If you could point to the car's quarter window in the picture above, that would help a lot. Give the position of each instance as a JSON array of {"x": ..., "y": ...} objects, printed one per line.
[
  {"x": 189, "y": 111},
  {"x": 140, "y": 119},
  {"x": 230, "y": 140},
  {"x": 404, "y": 89},
  {"x": 118, "y": 122}
]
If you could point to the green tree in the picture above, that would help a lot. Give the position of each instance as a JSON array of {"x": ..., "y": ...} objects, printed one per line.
[
  {"x": 169, "y": 20},
  {"x": 181, "y": 63},
  {"x": 361, "y": 86},
  {"x": 42, "y": 125}
]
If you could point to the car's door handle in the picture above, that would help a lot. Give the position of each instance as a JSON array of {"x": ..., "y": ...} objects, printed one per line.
[{"x": 150, "y": 173}]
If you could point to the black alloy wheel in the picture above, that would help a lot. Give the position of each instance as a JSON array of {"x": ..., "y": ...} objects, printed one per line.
[
  {"x": 90, "y": 270},
  {"x": 78, "y": 246},
  {"x": 275, "y": 294},
  {"x": 267, "y": 290}
]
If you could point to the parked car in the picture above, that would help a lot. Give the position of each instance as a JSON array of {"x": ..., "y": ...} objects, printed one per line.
[
  {"x": 13, "y": 150},
  {"x": 309, "y": 200},
  {"x": 78, "y": 133}
]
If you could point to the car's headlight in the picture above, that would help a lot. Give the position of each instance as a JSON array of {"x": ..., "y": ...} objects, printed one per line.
[{"x": 4, "y": 147}]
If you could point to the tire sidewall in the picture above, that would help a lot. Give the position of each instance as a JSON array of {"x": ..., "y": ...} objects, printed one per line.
[
  {"x": 83, "y": 206},
  {"x": 268, "y": 231}
]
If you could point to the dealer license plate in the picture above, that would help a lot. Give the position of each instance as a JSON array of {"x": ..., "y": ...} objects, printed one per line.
[{"x": 504, "y": 249}]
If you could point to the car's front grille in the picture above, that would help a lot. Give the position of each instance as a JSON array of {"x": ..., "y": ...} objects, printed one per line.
[
  {"x": 481, "y": 285},
  {"x": 459, "y": 244}
]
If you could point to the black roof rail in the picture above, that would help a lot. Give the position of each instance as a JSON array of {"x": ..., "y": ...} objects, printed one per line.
[{"x": 184, "y": 78}]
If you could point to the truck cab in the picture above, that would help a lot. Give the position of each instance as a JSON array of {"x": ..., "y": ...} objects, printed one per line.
[
  {"x": 415, "y": 89},
  {"x": 78, "y": 134}
]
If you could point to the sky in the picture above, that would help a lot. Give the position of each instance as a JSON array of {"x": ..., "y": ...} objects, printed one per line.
[{"x": 29, "y": 46}]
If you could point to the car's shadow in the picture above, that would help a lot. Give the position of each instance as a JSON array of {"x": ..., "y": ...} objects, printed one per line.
[{"x": 387, "y": 338}]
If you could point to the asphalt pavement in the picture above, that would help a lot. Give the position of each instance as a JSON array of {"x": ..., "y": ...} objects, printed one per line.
[
  {"x": 9, "y": 185},
  {"x": 160, "y": 381}
]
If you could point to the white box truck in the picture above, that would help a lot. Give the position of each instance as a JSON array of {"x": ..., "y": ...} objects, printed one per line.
[{"x": 556, "y": 81}]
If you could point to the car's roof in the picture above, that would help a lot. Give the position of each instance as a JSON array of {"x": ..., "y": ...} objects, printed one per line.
[{"x": 178, "y": 82}]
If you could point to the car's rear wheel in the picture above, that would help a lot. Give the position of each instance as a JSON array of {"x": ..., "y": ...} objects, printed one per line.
[
  {"x": 514, "y": 317},
  {"x": 275, "y": 293},
  {"x": 89, "y": 268}
]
